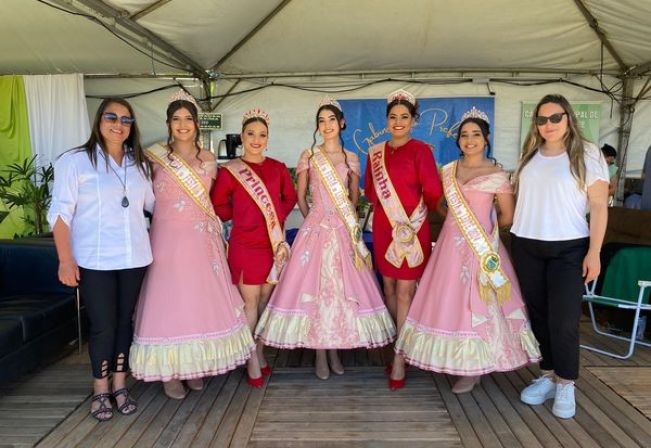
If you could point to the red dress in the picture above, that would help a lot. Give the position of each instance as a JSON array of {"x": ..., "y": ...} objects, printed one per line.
[
  {"x": 250, "y": 255},
  {"x": 413, "y": 172}
]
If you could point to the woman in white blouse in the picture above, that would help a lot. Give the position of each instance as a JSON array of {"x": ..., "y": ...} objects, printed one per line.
[
  {"x": 101, "y": 189},
  {"x": 561, "y": 178}
]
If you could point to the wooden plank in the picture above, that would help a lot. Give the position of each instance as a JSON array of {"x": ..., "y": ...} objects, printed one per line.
[
  {"x": 145, "y": 417},
  {"x": 459, "y": 418},
  {"x": 346, "y": 444},
  {"x": 511, "y": 417},
  {"x": 218, "y": 411},
  {"x": 248, "y": 419},
  {"x": 228, "y": 425},
  {"x": 193, "y": 423},
  {"x": 347, "y": 415}
]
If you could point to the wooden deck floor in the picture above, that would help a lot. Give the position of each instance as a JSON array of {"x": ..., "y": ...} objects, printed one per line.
[{"x": 295, "y": 409}]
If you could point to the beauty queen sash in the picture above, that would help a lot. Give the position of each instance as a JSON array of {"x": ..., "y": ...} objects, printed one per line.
[
  {"x": 405, "y": 244},
  {"x": 186, "y": 177},
  {"x": 339, "y": 195},
  {"x": 491, "y": 275},
  {"x": 256, "y": 188}
]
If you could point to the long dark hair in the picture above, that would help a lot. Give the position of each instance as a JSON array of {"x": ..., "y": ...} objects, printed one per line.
[
  {"x": 339, "y": 115},
  {"x": 134, "y": 150},
  {"x": 171, "y": 109}
]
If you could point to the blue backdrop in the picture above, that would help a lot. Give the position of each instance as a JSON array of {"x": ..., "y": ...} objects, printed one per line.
[{"x": 438, "y": 124}]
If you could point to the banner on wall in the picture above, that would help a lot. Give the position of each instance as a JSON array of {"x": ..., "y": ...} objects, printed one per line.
[
  {"x": 438, "y": 124},
  {"x": 587, "y": 113}
]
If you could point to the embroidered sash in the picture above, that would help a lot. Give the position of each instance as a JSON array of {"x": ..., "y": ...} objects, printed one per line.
[
  {"x": 405, "y": 244},
  {"x": 339, "y": 195},
  {"x": 491, "y": 275},
  {"x": 256, "y": 188},
  {"x": 187, "y": 179}
]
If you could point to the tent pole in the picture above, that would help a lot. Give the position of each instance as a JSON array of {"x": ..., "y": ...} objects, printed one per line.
[{"x": 626, "y": 111}]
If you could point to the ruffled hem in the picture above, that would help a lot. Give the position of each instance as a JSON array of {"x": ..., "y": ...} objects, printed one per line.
[
  {"x": 191, "y": 359},
  {"x": 291, "y": 331},
  {"x": 456, "y": 354}
]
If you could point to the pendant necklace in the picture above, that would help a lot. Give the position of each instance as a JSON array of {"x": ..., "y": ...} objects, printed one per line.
[{"x": 125, "y": 200}]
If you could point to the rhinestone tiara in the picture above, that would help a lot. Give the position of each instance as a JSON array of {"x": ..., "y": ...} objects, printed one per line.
[
  {"x": 183, "y": 95},
  {"x": 329, "y": 101},
  {"x": 256, "y": 113},
  {"x": 475, "y": 113},
  {"x": 403, "y": 95}
]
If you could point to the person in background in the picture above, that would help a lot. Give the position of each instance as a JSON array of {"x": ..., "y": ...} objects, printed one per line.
[
  {"x": 610, "y": 154},
  {"x": 100, "y": 192}
]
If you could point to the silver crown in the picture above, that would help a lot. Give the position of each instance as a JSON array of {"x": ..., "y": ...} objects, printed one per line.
[
  {"x": 182, "y": 95},
  {"x": 256, "y": 113},
  {"x": 402, "y": 94},
  {"x": 475, "y": 113},
  {"x": 329, "y": 101}
]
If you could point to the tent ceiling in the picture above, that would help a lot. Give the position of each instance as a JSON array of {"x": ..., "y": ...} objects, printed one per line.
[{"x": 315, "y": 36}]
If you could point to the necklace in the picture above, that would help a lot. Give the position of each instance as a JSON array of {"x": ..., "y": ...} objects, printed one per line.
[{"x": 125, "y": 200}]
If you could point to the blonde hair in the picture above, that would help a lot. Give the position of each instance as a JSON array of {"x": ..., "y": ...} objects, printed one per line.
[{"x": 573, "y": 141}]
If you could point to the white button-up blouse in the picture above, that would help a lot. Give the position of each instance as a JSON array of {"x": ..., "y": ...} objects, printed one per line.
[{"x": 104, "y": 234}]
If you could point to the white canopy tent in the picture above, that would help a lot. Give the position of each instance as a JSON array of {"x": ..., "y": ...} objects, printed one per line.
[{"x": 283, "y": 56}]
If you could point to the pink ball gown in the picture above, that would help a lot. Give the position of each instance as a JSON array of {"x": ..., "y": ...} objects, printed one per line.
[
  {"x": 189, "y": 321},
  {"x": 449, "y": 327},
  {"x": 322, "y": 300}
]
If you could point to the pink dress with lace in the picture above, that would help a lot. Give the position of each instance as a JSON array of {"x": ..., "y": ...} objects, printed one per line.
[
  {"x": 322, "y": 300},
  {"x": 449, "y": 327},
  {"x": 189, "y": 321}
]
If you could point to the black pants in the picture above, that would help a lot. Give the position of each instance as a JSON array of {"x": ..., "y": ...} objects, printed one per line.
[
  {"x": 551, "y": 279},
  {"x": 110, "y": 298}
]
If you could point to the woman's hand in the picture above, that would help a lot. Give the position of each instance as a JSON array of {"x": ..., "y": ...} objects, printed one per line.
[
  {"x": 591, "y": 266},
  {"x": 69, "y": 272}
]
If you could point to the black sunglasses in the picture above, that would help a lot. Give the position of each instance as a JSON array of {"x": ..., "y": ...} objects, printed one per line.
[
  {"x": 554, "y": 118},
  {"x": 113, "y": 117}
]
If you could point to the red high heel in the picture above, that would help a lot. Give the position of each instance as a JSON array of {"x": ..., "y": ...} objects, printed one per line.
[
  {"x": 255, "y": 382},
  {"x": 397, "y": 384},
  {"x": 266, "y": 370}
]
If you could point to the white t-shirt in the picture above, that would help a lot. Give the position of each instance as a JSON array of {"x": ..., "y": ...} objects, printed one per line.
[
  {"x": 104, "y": 234},
  {"x": 550, "y": 205}
]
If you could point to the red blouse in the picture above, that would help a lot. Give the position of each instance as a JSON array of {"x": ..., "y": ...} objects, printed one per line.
[
  {"x": 250, "y": 254},
  {"x": 413, "y": 172}
]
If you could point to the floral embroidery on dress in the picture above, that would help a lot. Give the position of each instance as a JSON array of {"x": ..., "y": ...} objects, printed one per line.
[
  {"x": 199, "y": 226},
  {"x": 305, "y": 257},
  {"x": 180, "y": 205}
]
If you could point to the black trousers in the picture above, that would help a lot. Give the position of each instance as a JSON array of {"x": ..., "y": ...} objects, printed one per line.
[
  {"x": 551, "y": 279},
  {"x": 110, "y": 298}
]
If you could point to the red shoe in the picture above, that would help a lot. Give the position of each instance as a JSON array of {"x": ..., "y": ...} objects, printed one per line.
[
  {"x": 266, "y": 370},
  {"x": 255, "y": 382},
  {"x": 397, "y": 384},
  {"x": 388, "y": 369}
]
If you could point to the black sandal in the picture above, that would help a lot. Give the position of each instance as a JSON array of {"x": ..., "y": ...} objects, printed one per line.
[
  {"x": 104, "y": 407},
  {"x": 128, "y": 402}
]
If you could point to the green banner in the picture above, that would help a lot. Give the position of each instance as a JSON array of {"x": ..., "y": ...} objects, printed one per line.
[
  {"x": 15, "y": 144},
  {"x": 587, "y": 113}
]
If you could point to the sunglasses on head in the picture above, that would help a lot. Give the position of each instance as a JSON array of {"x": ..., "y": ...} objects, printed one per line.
[
  {"x": 113, "y": 118},
  {"x": 554, "y": 118}
]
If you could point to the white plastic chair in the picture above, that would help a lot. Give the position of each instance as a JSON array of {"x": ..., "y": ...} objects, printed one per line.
[{"x": 636, "y": 306}]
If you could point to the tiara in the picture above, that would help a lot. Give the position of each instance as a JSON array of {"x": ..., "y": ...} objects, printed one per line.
[
  {"x": 329, "y": 101},
  {"x": 401, "y": 95},
  {"x": 256, "y": 113},
  {"x": 475, "y": 113},
  {"x": 183, "y": 95}
]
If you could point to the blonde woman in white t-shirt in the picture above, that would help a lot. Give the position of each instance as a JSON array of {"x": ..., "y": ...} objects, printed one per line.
[{"x": 561, "y": 177}]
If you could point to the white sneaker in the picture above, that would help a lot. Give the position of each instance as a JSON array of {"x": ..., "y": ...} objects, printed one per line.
[
  {"x": 564, "y": 404},
  {"x": 540, "y": 390}
]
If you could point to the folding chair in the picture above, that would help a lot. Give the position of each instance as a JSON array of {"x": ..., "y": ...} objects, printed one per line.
[{"x": 591, "y": 298}]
